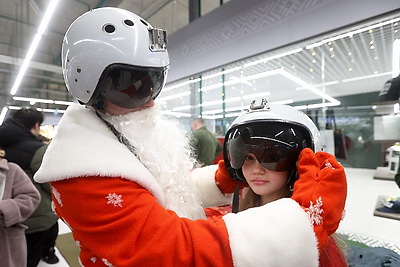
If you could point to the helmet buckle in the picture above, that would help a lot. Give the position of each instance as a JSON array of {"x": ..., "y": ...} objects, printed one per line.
[{"x": 159, "y": 40}]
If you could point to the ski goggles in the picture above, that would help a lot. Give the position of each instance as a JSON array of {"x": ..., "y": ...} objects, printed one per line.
[
  {"x": 275, "y": 145},
  {"x": 129, "y": 86}
]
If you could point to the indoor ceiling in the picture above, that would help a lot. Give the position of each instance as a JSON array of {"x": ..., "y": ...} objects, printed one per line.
[
  {"x": 317, "y": 72},
  {"x": 20, "y": 20},
  {"x": 346, "y": 65}
]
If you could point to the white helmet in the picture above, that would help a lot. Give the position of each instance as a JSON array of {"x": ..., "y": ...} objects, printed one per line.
[
  {"x": 274, "y": 133},
  {"x": 114, "y": 54}
]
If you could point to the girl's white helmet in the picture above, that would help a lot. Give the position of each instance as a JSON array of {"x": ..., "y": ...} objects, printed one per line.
[
  {"x": 274, "y": 133},
  {"x": 114, "y": 54}
]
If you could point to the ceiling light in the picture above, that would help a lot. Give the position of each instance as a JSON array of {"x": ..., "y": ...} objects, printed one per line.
[
  {"x": 39, "y": 100},
  {"x": 47, "y": 110},
  {"x": 365, "y": 77},
  {"x": 263, "y": 60},
  {"x": 168, "y": 88},
  {"x": 3, "y": 114},
  {"x": 166, "y": 98},
  {"x": 220, "y": 73},
  {"x": 35, "y": 43}
]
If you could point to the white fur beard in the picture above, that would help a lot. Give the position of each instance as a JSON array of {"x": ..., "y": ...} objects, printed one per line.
[{"x": 162, "y": 147}]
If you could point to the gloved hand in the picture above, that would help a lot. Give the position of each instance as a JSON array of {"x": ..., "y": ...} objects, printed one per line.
[
  {"x": 225, "y": 183},
  {"x": 321, "y": 190}
]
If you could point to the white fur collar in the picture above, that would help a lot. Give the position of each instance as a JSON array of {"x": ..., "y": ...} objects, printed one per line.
[{"x": 68, "y": 156}]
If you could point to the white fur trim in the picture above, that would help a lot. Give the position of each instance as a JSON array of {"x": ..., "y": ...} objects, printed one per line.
[
  {"x": 204, "y": 182},
  {"x": 276, "y": 234},
  {"x": 68, "y": 155}
]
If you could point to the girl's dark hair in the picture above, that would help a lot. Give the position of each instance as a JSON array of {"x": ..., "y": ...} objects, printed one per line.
[{"x": 28, "y": 117}]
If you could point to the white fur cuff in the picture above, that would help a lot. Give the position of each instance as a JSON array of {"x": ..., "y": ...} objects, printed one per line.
[
  {"x": 204, "y": 182},
  {"x": 276, "y": 234}
]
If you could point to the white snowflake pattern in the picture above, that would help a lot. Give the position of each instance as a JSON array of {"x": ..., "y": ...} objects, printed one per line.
[
  {"x": 328, "y": 165},
  {"x": 107, "y": 263},
  {"x": 57, "y": 196},
  {"x": 314, "y": 212},
  {"x": 114, "y": 199}
]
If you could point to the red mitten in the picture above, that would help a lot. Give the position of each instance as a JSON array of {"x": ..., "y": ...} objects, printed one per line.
[
  {"x": 321, "y": 190},
  {"x": 224, "y": 181}
]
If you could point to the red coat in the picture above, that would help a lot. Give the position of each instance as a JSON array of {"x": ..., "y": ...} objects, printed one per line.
[{"x": 125, "y": 221}]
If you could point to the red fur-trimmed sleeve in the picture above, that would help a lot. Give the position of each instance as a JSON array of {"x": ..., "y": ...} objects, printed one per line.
[{"x": 118, "y": 222}]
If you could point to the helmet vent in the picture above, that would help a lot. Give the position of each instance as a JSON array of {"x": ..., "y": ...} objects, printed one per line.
[
  {"x": 109, "y": 28},
  {"x": 144, "y": 22},
  {"x": 78, "y": 70},
  {"x": 129, "y": 23}
]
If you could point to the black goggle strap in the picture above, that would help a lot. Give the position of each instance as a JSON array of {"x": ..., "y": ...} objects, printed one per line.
[
  {"x": 235, "y": 201},
  {"x": 121, "y": 138}
]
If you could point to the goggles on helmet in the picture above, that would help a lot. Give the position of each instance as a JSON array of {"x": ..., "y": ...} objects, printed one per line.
[
  {"x": 276, "y": 145},
  {"x": 129, "y": 86}
]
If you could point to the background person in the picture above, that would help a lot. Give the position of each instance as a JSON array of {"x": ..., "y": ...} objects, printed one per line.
[
  {"x": 262, "y": 147},
  {"x": 120, "y": 171},
  {"x": 18, "y": 199},
  {"x": 205, "y": 144},
  {"x": 20, "y": 138}
]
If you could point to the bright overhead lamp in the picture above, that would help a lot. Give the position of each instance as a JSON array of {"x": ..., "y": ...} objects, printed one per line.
[
  {"x": 284, "y": 54},
  {"x": 48, "y": 110},
  {"x": 220, "y": 73},
  {"x": 170, "y": 97},
  {"x": 39, "y": 100},
  {"x": 3, "y": 114},
  {"x": 34, "y": 44},
  {"x": 168, "y": 88}
]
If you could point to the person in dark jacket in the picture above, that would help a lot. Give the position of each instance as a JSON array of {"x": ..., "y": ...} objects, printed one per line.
[
  {"x": 204, "y": 144},
  {"x": 19, "y": 136}
]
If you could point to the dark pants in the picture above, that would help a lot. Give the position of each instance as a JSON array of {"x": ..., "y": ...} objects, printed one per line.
[{"x": 40, "y": 243}]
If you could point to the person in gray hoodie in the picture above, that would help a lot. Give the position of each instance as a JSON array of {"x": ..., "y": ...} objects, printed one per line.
[
  {"x": 18, "y": 199},
  {"x": 19, "y": 136}
]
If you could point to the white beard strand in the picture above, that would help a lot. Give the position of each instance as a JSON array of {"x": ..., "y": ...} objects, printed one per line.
[{"x": 162, "y": 147}]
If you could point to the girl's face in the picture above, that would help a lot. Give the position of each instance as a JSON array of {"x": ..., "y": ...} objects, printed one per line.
[{"x": 270, "y": 185}]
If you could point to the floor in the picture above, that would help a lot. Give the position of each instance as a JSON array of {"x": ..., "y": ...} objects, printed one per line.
[{"x": 359, "y": 223}]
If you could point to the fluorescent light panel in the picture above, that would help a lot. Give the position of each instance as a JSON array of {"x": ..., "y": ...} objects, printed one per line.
[
  {"x": 32, "y": 48},
  {"x": 3, "y": 114},
  {"x": 48, "y": 110},
  {"x": 39, "y": 100},
  {"x": 263, "y": 60}
]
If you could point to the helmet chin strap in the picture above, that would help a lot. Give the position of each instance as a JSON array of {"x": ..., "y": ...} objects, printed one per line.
[
  {"x": 292, "y": 179},
  {"x": 235, "y": 201}
]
